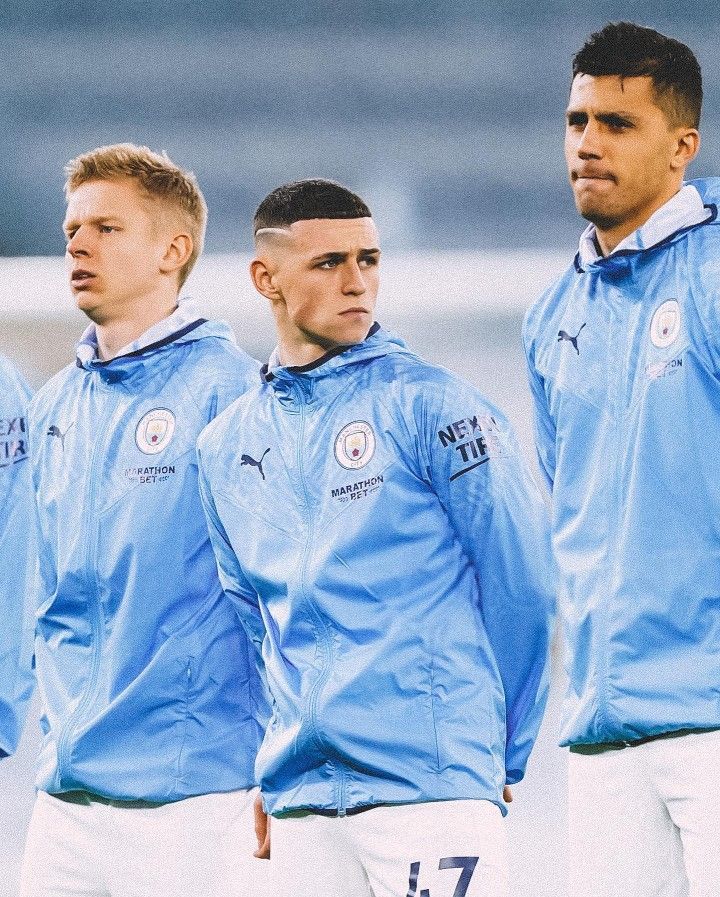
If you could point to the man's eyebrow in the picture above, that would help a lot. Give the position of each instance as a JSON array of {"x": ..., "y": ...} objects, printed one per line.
[
  {"x": 605, "y": 116},
  {"x": 339, "y": 256},
  {"x": 330, "y": 254},
  {"x": 615, "y": 115},
  {"x": 97, "y": 219}
]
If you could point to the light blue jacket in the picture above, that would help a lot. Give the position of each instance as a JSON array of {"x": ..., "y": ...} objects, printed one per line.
[
  {"x": 16, "y": 600},
  {"x": 149, "y": 683},
  {"x": 624, "y": 359},
  {"x": 389, "y": 554}
]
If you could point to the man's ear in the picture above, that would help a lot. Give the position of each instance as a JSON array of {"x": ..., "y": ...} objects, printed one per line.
[
  {"x": 687, "y": 147},
  {"x": 263, "y": 280},
  {"x": 177, "y": 253}
]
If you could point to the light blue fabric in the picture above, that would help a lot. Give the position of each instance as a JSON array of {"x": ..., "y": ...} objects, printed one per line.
[
  {"x": 16, "y": 599},
  {"x": 624, "y": 360},
  {"x": 391, "y": 561},
  {"x": 149, "y": 683}
]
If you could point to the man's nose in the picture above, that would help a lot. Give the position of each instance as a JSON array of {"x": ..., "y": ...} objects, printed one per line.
[
  {"x": 590, "y": 144},
  {"x": 353, "y": 281},
  {"x": 78, "y": 244}
]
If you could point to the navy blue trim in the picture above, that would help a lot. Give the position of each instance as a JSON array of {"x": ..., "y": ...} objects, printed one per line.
[
  {"x": 152, "y": 346},
  {"x": 350, "y": 811},
  {"x": 11, "y": 463},
  {"x": 625, "y": 252},
  {"x": 319, "y": 362},
  {"x": 468, "y": 469}
]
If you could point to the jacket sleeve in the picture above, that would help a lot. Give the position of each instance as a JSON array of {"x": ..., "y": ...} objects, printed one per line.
[
  {"x": 232, "y": 578},
  {"x": 17, "y": 566},
  {"x": 544, "y": 425},
  {"x": 496, "y": 510}
]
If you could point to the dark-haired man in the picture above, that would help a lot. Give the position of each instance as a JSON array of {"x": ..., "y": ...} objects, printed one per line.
[
  {"x": 15, "y": 601},
  {"x": 624, "y": 357},
  {"x": 390, "y": 559}
]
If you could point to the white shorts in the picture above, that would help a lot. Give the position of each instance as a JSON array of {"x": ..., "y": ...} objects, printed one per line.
[
  {"x": 441, "y": 849},
  {"x": 645, "y": 820},
  {"x": 81, "y": 846}
]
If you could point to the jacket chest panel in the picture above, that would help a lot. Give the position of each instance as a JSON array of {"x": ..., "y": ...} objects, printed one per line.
[
  {"x": 112, "y": 444},
  {"x": 633, "y": 352}
]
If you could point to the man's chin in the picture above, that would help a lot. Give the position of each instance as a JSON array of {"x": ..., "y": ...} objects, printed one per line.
[
  {"x": 600, "y": 217},
  {"x": 89, "y": 305},
  {"x": 353, "y": 335}
]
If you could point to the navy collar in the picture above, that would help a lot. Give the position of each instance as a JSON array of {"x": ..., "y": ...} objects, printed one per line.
[{"x": 683, "y": 211}]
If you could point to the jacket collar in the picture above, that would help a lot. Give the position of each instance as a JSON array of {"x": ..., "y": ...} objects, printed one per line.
[
  {"x": 184, "y": 319},
  {"x": 275, "y": 370},
  {"x": 153, "y": 352},
  {"x": 319, "y": 378},
  {"x": 685, "y": 210}
]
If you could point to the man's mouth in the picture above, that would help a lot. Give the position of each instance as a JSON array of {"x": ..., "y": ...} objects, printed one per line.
[
  {"x": 590, "y": 175},
  {"x": 81, "y": 278}
]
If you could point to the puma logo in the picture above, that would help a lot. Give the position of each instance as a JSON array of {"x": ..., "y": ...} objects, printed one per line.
[
  {"x": 564, "y": 335},
  {"x": 56, "y": 431},
  {"x": 251, "y": 462}
]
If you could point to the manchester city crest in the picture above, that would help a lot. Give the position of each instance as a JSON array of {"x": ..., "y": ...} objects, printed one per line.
[
  {"x": 355, "y": 445},
  {"x": 665, "y": 324},
  {"x": 154, "y": 431}
]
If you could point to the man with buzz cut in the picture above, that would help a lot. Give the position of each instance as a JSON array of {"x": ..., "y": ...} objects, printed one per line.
[
  {"x": 624, "y": 358},
  {"x": 388, "y": 553},
  {"x": 152, "y": 704},
  {"x": 15, "y": 550}
]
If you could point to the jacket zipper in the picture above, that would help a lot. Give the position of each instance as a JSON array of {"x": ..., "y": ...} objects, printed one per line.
[
  {"x": 326, "y": 642},
  {"x": 95, "y": 609},
  {"x": 618, "y": 409}
]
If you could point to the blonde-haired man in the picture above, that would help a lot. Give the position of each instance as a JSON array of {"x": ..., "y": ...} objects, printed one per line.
[{"x": 153, "y": 708}]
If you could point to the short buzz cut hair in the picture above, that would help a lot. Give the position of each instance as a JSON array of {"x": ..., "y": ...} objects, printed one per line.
[
  {"x": 305, "y": 200},
  {"x": 157, "y": 175},
  {"x": 629, "y": 50}
]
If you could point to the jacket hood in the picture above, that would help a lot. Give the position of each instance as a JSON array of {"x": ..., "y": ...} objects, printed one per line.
[
  {"x": 184, "y": 325},
  {"x": 694, "y": 205},
  {"x": 377, "y": 344}
]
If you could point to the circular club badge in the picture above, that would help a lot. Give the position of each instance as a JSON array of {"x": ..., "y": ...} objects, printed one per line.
[
  {"x": 665, "y": 324},
  {"x": 154, "y": 431},
  {"x": 355, "y": 445}
]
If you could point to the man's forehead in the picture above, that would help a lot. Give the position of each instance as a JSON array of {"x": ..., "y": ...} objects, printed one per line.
[
  {"x": 599, "y": 90},
  {"x": 106, "y": 197},
  {"x": 334, "y": 233}
]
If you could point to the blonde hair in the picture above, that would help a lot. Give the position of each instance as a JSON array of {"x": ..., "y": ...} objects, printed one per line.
[{"x": 158, "y": 176}]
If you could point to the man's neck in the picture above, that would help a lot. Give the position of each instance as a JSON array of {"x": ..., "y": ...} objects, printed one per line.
[
  {"x": 113, "y": 335},
  {"x": 610, "y": 238},
  {"x": 298, "y": 354}
]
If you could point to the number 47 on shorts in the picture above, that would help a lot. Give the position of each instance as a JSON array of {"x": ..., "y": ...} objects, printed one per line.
[{"x": 465, "y": 864}]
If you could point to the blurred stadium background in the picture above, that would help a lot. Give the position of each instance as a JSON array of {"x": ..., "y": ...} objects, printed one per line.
[{"x": 446, "y": 116}]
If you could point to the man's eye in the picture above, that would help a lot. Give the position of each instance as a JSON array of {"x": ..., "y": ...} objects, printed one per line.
[
  {"x": 329, "y": 263},
  {"x": 369, "y": 261},
  {"x": 106, "y": 228}
]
